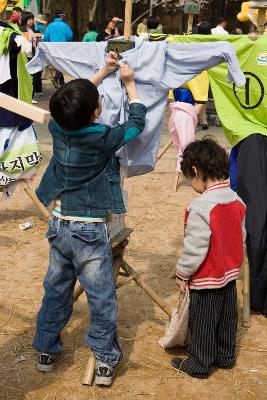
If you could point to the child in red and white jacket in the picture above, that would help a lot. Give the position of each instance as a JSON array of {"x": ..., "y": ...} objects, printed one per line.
[{"x": 211, "y": 260}]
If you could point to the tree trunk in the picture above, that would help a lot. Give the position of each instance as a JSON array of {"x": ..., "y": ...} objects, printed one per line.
[
  {"x": 74, "y": 13},
  {"x": 92, "y": 10}
]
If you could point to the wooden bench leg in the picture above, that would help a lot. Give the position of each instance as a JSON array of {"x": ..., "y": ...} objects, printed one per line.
[
  {"x": 147, "y": 289},
  {"x": 89, "y": 374}
]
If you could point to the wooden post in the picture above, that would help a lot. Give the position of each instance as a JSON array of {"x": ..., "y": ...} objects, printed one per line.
[
  {"x": 246, "y": 295},
  {"x": 177, "y": 181},
  {"x": 128, "y": 20},
  {"x": 261, "y": 21},
  {"x": 190, "y": 22},
  {"x": 165, "y": 148},
  {"x": 27, "y": 189},
  {"x": 191, "y": 9}
]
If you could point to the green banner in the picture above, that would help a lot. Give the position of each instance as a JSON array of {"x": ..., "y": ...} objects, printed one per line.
[{"x": 242, "y": 111}]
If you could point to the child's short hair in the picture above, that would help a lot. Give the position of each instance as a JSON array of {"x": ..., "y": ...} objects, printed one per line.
[
  {"x": 74, "y": 104},
  {"x": 207, "y": 157}
]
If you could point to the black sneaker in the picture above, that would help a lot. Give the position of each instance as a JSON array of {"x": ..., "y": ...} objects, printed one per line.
[
  {"x": 46, "y": 362},
  {"x": 178, "y": 363},
  {"x": 104, "y": 374}
]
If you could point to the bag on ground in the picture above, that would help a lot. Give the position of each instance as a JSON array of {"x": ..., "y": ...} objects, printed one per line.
[{"x": 177, "y": 334}]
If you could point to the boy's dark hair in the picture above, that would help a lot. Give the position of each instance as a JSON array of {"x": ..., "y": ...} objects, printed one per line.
[
  {"x": 18, "y": 9},
  {"x": 152, "y": 22},
  {"x": 91, "y": 26},
  {"x": 74, "y": 104},
  {"x": 221, "y": 19},
  {"x": 204, "y": 28},
  {"x": 26, "y": 15},
  {"x": 207, "y": 157}
]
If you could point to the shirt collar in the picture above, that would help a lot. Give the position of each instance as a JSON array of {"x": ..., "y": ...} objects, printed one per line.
[{"x": 220, "y": 185}]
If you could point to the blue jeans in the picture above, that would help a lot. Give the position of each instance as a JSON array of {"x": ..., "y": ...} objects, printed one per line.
[{"x": 79, "y": 251}]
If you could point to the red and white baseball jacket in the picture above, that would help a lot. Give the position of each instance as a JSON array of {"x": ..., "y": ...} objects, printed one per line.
[{"x": 214, "y": 239}]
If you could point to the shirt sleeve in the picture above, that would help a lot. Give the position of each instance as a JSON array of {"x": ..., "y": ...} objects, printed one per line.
[
  {"x": 115, "y": 138},
  {"x": 184, "y": 61},
  {"x": 196, "y": 245}
]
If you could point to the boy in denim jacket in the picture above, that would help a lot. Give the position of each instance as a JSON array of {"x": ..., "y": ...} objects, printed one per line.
[{"x": 83, "y": 180}]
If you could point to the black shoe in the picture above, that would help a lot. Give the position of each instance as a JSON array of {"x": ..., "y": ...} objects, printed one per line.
[
  {"x": 205, "y": 126},
  {"x": 46, "y": 362},
  {"x": 104, "y": 374},
  {"x": 178, "y": 363}
]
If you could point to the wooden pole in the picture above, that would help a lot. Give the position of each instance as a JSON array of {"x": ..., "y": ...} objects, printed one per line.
[
  {"x": 190, "y": 22},
  {"x": 128, "y": 20},
  {"x": 246, "y": 295},
  {"x": 150, "y": 292},
  {"x": 27, "y": 189},
  {"x": 165, "y": 148},
  {"x": 89, "y": 374},
  {"x": 261, "y": 20},
  {"x": 177, "y": 181}
]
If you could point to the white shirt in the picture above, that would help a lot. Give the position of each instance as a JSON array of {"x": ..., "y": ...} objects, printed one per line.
[{"x": 219, "y": 30}]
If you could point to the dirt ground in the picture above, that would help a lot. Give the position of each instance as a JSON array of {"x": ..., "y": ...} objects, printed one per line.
[{"x": 156, "y": 214}]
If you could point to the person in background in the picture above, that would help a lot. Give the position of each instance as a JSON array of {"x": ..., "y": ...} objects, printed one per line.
[
  {"x": 119, "y": 30},
  {"x": 237, "y": 31},
  {"x": 109, "y": 32},
  {"x": 220, "y": 28},
  {"x": 160, "y": 26},
  {"x": 40, "y": 23},
  {"x": 29, "y": 32},
  {"x": 199, "y": 85},
  {"x": 58, "y": 31},
  {"x": 15, "y": 16},
  {"x": 142, "y": 27},
  {"x": 91, "y": 34},
  {"x": 153, "y": 25}
]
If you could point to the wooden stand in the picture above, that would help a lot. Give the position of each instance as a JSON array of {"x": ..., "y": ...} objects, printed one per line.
[{"x": 119, "y": 244}]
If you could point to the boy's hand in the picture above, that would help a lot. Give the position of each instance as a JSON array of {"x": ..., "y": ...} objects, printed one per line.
[
  {"x": 111, "y": 62},
  {"x": 183, "y": 285},
  {"x": 126, "y": 74}
]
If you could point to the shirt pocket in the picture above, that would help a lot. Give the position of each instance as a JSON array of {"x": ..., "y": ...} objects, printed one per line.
[{"x": 113, "y": 181}]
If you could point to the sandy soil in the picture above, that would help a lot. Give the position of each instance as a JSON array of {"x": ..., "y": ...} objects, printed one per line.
[{"x": 156, "y": 214}]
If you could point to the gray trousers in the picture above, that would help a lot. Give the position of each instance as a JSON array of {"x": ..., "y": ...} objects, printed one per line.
[{"x": 213, "y": 327}]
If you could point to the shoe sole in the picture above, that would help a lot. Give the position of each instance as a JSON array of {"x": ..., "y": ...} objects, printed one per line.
[
  {"x": 45, "y": 368},
  {"x": 103, "y": 381}
]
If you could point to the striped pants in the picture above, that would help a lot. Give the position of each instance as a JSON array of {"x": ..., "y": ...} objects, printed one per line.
[{"x": 212, "y": 326}]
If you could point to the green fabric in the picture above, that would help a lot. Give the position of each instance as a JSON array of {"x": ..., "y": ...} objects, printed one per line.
[
  {"x": 4, "y": 41},
  {"x": 28, "y": 2},
  {"x": 24, "y": 78},
  {"x": 242, "y": 111},
  {"x": 90, "y": 37}
]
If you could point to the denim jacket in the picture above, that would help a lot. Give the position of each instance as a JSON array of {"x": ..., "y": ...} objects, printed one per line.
[{"x": 84, "y": 171}]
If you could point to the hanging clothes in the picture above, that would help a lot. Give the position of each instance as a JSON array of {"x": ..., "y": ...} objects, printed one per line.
[
  {"x": 158, "y": 67},
  {"x": 182, "y": 127}
]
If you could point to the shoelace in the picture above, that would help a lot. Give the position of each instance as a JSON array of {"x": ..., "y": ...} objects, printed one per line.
[{"x": 107, "y": 372}]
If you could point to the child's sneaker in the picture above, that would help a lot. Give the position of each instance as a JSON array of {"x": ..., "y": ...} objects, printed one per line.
[
  {"x": 103, "y": 374},
  {"x": 46, "y": 362}
]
